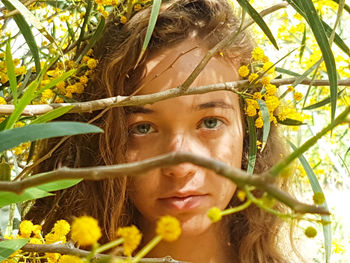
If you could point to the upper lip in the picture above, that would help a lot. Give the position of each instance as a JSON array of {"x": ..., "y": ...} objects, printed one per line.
[{"x": 182, "y": 194}]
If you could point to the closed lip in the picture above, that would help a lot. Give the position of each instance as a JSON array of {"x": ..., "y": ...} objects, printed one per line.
[{"x": 183, "y": 194}]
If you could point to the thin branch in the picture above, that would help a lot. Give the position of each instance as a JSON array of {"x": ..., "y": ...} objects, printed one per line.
[
  {"x": 239, "y": 177},
  {"x": 15, "y": 11},
  {"x": 120, "y": 101},
  {"x": 275, "y": 170},
  {"x": 227, "y": 41},
  {"x": 69, "y": 249},
  {"x": 27, "y": 169}
]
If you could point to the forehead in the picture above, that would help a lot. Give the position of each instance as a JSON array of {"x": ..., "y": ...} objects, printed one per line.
[{"x": 171, "y": 66}]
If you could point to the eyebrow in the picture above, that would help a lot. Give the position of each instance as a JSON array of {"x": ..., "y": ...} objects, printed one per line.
[
  {"x": 214, "y": 104},
  {"x": 203, "y": 106}
]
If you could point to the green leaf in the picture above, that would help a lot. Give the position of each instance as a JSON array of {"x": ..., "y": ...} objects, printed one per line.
[
  {"x": 306, "y": 73},
  {"x": 316, "y": 188},
  {"x": 85, "y": 22},
  {"x": 288, "y": 72},
  {"x": 29, "y": 95},
  {"x": 266, "y": 118},
  {"x": 70, "y": 30},
  {"x": 302, "y": 45},
  {"x": 32, "y": 19},
  {"x": 27, "y": 34},
  {"x": 346, "y": 7},
  {"x": 338, "y": 40},
  {"x": 13, "y": 137},
  {"x": 58, "y": 185},
  {"x": 152, "y": 22},
  {"x": 322, "y": 40},
  {"x": 7, "y": 198},
  {"x": 55, "y": 81},
  {"x": 11, "y": 72},
  {"x": 321, "y": 103},
  {"x": 252, "y": 145},
  {"x": 52, "y": 114},
  {"x": 93, "y": 39},
  {"x": 24, "y": 101},
  {"x": 8, "y": 247},
  {"x": 258, "y": 19},
  {"x": 5, "y": 171},
  {"x": 290, "y": 122},
  {"x": 25, "y": 82}
]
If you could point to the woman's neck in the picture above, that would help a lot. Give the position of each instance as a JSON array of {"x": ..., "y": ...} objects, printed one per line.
[{"x": 212, "y": 246}]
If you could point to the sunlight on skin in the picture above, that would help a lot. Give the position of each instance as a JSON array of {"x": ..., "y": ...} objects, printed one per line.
[{"x": 207, "y": 124}]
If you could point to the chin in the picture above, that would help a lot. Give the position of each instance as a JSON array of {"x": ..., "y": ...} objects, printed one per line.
[{"x": 194, "y": 225}]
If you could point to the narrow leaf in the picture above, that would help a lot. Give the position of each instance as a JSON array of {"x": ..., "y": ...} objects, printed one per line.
[
  {"x": 55, "y": 81},
  {"x": 11, "y": 72},
  {"x": 258, "y": 19},
  {"x": 24, "y": 101},
  {"x": 302, "y": 45},
  {"x": 150, "y": 28},
  {"x": 13, "y": 137},
  {"x": 338, "y": 40},
  {"x": 290, "y": 122},
  {"x": 85, "y": 22},
  {"x": 32, "y": 19},
  {"x": 93, "y": 39},
  {"x": 252, "y": 145},
  {"x": 288, "y": 72},
  {"x": 27, "y": 34},
  {"x": 316, "y": 188},
  {"x": 58, "y": 185},
  {"x": 322, "y": 40},
  {"x": 306, "y": 73},
  {"x": 51, "y": 115},
  {"x": 266, "y": 119},
  {"x": 321, "y": 103},
  {"x": 7, "y": 198},
  {"x": 346, "y": 7},
  {"x": 8, "y": 247}
]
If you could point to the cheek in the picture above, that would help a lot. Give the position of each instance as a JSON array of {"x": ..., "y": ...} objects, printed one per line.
[
  {"x": 227, "y": 149},
  {"x": 225, "y": 191}
]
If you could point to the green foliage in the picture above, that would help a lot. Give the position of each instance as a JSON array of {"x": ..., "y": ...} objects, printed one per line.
[
  {"x": 10, "y": 246},
  {"x": 13, "y": 137},
  {"x": 57, "y": 72}
]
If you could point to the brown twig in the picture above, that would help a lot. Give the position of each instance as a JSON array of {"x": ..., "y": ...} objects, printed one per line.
[
  {"x": 239, "y": 177},
  {"x": 69, "y": 249},
  {"x": 227, "y": 41},
  {"x": 15, "y": 11},
  {"x": 120, "y": 101},
  {"x": 27, "y": 169}
]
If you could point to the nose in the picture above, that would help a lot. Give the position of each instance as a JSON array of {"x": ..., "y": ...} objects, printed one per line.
[{"x": 181, "y": 143}]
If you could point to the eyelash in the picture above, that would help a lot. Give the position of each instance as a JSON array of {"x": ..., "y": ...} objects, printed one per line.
[
  {"x": 133, "y": 130},
  {"x": 219, "y": 123}
]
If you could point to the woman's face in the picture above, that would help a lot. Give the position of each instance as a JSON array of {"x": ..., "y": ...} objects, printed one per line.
[{"x": 207, "y": 125}]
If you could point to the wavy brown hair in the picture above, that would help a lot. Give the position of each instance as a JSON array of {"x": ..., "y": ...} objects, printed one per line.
[{"x": 253, "y": 231}]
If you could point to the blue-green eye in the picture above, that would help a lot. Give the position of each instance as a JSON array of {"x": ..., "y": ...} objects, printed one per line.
[
  {"x": 211, "y": 123},
  {"x": 142, "y": 128}
]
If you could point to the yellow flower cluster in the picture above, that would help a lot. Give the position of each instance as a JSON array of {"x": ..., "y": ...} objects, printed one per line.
[
  {"x": 19, "y": 70},
  {"x": 77, "y": 83},
  {"x": 168, "y": 227},
  {"x": 2, "y": 100},
  {"x": 131, "y": 238},
  {"x": 85, "y": 231},
  {"x": 259, "y": 74},
  {"x": 214, "y": 214},
  {"x": 58, "y": 234},
  {"x": 70, "y": 259}
]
